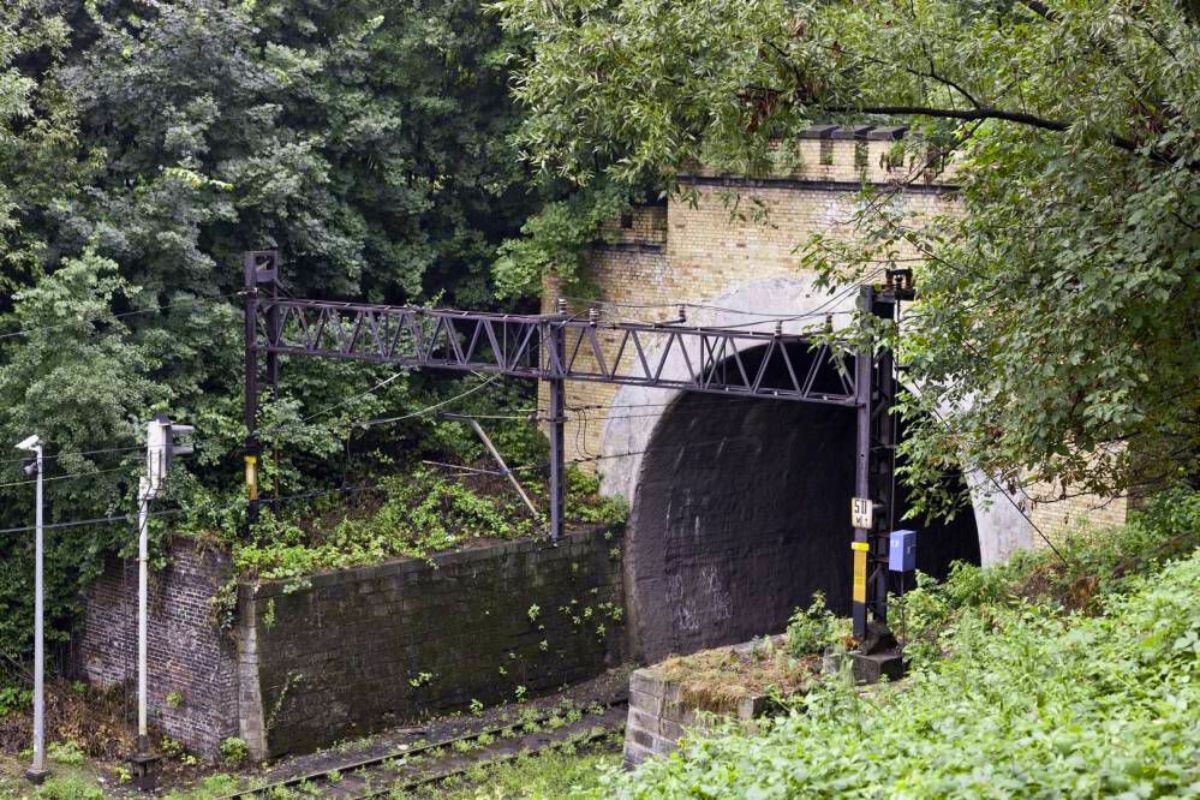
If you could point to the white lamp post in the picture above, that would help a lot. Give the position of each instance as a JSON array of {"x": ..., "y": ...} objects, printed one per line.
[{"x": 37, "y": 771}]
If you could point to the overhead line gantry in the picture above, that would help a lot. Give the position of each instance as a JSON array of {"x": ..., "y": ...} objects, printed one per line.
[{"x": 561, "y": 347}]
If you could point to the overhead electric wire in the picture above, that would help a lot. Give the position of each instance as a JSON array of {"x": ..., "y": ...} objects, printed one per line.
[
  {"x": 74, "y": 476},
  {"x": 52, "y": 456},
  {"x": 370, "y": 423},
  {"x": 121, "y": 315},
  {"x": 284, "y": 425}
]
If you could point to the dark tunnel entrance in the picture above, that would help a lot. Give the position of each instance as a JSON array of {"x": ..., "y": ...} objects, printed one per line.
[{"x": 742, "y": 512}]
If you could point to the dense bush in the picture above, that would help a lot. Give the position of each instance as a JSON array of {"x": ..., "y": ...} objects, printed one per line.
[
  {"x": 143, "y": 147},
  {"x": 1093, "y": 565},
  {"x": 1033, "y": 699},
  {"x": 810, "y": 630}
]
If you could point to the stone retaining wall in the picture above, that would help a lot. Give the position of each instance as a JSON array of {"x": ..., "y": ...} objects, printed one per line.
[
  {"x": 364, "y": 648},
  {"x": 659, "y": 719},
  {"x": 347, "y": 652}
]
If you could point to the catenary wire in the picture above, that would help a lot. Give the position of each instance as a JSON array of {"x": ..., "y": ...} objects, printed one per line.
[{"x": 122, "y": 315}]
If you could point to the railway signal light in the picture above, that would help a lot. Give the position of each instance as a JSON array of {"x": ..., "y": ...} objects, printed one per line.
[{"x": 164, "y": 441}]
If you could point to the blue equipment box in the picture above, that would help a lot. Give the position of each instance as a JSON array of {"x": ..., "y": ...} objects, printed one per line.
[{"x": 902, "y": 551}]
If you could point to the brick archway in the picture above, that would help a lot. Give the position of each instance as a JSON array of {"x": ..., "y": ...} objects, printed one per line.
[
  {"x": 740, "y": 513},
  {"x": 640, "y": 425}
]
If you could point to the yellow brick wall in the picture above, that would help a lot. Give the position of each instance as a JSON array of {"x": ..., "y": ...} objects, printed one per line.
[
  {"x": 718, "y": 234},
  {"x": 1057, "y": 516},
  {"x": 721, "y": 233}
]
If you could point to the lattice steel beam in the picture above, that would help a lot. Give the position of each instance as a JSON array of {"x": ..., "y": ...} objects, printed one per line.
[{"x": 779, "y": 365}]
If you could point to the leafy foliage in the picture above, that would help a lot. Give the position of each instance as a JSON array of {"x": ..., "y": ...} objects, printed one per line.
[
  {"x": 1053, "y": 312},
  {"x": 412, "y": 515},
  {"x": 557, "y": 241},
  {"x": 143, "y": 147},
  {"x": 1032, "y": 700},
  {"x": 812, "y": 629},
  {"x": 1096, "y": 565}
]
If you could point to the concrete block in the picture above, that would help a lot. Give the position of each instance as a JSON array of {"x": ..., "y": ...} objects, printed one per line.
[{"x": 874, "y": 667}]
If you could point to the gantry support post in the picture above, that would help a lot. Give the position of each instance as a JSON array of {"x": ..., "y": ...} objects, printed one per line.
[
  {"x": 875, "y": 466},
  {"x": 260, "y": 267},
  {"x": 556, "y": 341}
]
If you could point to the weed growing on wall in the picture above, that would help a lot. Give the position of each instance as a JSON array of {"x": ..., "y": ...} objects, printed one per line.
[{"x": 413, "y": 515}]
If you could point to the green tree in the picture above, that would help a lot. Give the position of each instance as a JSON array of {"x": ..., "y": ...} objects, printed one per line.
[
  {"x": 143, "y": 147},
  {"x": 1057, "y": 311}
]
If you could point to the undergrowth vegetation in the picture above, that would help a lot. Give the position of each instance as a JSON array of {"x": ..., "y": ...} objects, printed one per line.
[
  {"x": 411, "y": 515},
  {"x": 1034, "y": 679}
]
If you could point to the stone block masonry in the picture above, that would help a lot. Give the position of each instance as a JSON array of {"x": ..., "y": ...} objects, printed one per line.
[
  {"x": 344, "y": 653},
  {"x": 659, "y": 718}
]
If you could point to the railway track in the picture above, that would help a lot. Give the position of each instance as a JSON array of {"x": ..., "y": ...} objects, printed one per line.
[{"x": 410, "y": 767}]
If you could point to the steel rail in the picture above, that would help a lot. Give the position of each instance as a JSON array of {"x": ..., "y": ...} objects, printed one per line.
[{"x": 399, "y": 756}]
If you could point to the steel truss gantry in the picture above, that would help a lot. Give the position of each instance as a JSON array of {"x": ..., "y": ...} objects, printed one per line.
[{"x": 560, "y": 347}]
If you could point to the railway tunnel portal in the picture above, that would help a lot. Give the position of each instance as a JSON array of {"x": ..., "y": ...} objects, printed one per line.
[
  {"x": 741, "y": 513},
  {"x": 740, "y": 507}
]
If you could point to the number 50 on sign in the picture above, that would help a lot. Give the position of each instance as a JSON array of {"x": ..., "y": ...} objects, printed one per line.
[{"x": 862, "y": 513}]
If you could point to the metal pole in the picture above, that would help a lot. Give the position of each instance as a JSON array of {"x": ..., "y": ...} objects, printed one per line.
[
  {"x": 143, "y": 592},
  {"x": 556, "y": 341},
  {"x": 38, "y": 770},
  {"x": 864, "y": 372},
  {"x": 557, "y": 460},
  {"x": 273, "y": 336},
  {"x": 504, "y": 470},
  {"x": 884, "y": 471},
  {"x": 250, "y": 413},
  {"x": 875, "y": 465}
]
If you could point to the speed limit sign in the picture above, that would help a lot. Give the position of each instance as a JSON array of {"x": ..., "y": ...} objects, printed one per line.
[{"x": 862, "y": 513}]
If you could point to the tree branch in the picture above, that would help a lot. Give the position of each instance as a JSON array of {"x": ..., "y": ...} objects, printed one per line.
[
  {"x": 1017, "y": 117},
  {"x": 1041, "y": 9}
]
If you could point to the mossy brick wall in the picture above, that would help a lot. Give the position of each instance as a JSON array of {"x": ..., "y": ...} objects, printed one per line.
[
  {"x": 360, "y": 649},
  {"x": 191, "y": 661}
]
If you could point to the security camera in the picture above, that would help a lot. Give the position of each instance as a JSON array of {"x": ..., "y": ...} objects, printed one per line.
[{"x": 31, "y": 443}]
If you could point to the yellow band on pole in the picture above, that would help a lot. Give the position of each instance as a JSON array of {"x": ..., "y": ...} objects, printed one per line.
[
  {"x": 859, "y": 593},
  {"x": 252, "y": 477},
  {"x": 861, "y": 546}
]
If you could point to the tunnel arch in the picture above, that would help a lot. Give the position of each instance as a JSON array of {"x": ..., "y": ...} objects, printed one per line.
[
  {"x": 720, "y": 487},
  {"x": 741, "y": 513}
]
